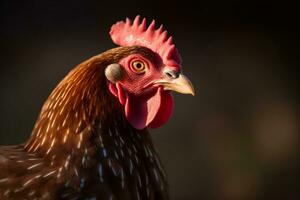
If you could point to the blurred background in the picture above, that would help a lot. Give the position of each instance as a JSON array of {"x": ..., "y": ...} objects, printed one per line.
[{"x": 238, "y": 138}]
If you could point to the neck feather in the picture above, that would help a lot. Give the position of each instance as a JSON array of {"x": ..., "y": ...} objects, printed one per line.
[
  {"x": 82, "y": 131},
  {"x": 78, "y": 110}
]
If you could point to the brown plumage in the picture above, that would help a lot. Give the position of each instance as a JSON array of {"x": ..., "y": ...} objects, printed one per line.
[
  {"x": 90, "y": 140},
  {"x": 82, "y": 146}
]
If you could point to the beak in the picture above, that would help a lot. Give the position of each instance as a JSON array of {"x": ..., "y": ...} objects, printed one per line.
[{"x": 176, "y": 81}]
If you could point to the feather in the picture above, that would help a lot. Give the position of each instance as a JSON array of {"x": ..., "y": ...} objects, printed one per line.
[{"x": 82, "y": 145}]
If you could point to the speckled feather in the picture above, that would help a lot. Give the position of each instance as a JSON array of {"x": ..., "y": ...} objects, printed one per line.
[{"x": 82, "y": 146}]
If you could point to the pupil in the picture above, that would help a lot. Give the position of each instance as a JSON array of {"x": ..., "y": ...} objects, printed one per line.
[{"x": 138, "y": 65}]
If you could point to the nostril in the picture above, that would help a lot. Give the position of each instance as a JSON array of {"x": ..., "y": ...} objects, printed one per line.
[
  {"x": 169, "y": 75},
  {"x": 172, "y": 74}
]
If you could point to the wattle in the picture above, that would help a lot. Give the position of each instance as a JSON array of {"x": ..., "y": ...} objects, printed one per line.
[{"x": 152, "y": 109}]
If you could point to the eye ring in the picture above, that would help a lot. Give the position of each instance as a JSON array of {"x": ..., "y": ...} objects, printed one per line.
[{"x": 138, "y": 66}]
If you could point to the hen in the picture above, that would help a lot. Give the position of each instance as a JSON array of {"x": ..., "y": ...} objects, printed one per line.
[{"x": 90, "y": 140}]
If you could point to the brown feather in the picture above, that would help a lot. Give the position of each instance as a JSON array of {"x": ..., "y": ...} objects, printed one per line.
[{"x": 82, "y": 145}]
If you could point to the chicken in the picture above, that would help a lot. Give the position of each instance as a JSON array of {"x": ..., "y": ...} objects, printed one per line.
[{"x": 91, "y": 139}]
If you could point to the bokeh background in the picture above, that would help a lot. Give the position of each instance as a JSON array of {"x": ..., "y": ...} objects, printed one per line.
[{"x": 238, "y": 138}]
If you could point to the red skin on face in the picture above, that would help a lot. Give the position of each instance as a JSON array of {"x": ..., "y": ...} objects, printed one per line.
[{"x": 146, "y": 105}]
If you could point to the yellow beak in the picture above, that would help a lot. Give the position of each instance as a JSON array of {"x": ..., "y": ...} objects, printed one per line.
[{"x": 177, "y": 82}]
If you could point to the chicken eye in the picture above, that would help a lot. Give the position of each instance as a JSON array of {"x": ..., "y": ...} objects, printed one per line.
[{"x": 138, "y": 66}]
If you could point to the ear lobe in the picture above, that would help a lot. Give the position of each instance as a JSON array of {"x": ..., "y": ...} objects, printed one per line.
[{"x": 114, "y": 72}]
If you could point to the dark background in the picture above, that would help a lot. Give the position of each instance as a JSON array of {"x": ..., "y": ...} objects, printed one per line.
[{"x": 237, "y": 139}]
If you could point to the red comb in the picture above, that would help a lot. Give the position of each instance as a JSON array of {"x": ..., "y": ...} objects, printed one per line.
[{"x": 137, "y": 34}]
